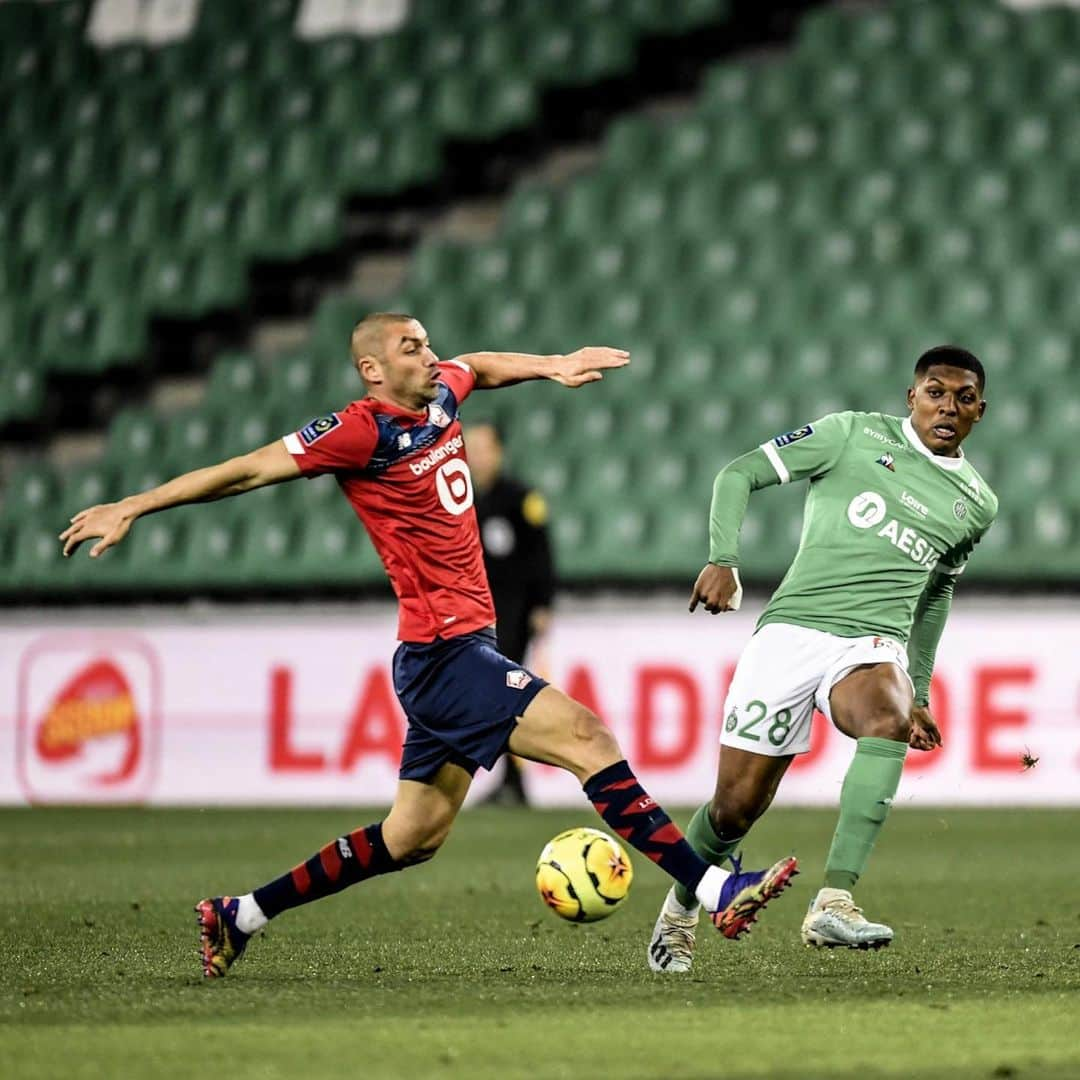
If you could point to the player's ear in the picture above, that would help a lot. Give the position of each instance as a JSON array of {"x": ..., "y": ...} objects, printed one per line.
[
  {"x": 911, "y": 398},
  {"x": 369, "y": 369},
  {"x": 982, "y": 410}
]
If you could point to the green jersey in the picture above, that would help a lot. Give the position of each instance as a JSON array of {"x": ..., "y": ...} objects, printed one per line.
[{"x": 882, "y": 514}]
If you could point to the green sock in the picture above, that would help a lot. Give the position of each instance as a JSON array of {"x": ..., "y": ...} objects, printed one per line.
[
  {"x": 869, "y": 786},
  {"x": 708, "y": 845}
]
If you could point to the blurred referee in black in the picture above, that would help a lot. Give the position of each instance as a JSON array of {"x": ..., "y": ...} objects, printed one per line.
[{"x": 517, "y": 554}]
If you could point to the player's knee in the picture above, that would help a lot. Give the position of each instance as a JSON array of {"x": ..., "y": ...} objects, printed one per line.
[
  {"x": 885, "y": 723},
  {"x": 410, "y": 842},
  {"x": 594, "y": 745}
]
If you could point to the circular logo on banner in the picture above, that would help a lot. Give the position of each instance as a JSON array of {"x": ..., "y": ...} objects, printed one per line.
[
  {"x": 866, "y": 510},
  {"x": 453, "y": 482}
]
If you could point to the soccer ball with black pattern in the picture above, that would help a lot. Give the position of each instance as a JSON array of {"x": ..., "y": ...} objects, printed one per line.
[{"x": 583, "y": 875}]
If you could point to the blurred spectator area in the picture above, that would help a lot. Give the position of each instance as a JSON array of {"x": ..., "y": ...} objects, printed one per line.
[{"x": 197, "y": 201}]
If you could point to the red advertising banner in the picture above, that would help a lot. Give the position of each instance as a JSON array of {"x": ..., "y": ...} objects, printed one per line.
[{"x": 298, "y": 709}]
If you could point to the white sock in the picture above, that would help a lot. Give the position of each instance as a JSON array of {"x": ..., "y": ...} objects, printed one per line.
[
  {"x": 708, "y": 890},
  {"x": 673, "y": 907},
  {"x": 249, "y": 916}
]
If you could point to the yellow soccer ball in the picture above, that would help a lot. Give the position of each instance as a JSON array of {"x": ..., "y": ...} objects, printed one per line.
[{"x": 583, "y": 875}]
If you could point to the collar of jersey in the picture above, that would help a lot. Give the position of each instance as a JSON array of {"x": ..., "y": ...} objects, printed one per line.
[
  {"x": 938, "y": 459},
  {"x": 397, "y": 410}
]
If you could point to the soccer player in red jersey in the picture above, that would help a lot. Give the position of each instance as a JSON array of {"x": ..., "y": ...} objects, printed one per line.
[{"x": 398, "y": 455}]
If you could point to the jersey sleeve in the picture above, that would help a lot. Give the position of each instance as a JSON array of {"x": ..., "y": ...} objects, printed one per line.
[
  {"x": 336, "y": 442},
  {"x": 956, "y": 558},
  {"x": 810, "y": 450},
  {"x": 459, "y": 377}
]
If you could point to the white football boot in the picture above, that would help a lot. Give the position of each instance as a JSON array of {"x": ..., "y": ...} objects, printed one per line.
[
  {"x": 834, "y": 921},
  {"x": 672, "y": 945}
]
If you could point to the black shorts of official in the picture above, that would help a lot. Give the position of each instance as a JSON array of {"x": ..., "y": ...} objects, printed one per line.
[{"x": 462, "y": 698}]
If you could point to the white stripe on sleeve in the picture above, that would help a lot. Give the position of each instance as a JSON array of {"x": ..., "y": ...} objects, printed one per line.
[
  {"x": 952, "y": 571},
  {"x": 293, "y": 443},
  {"x": 461, "y": 364},
  {"x": 777, "y": 464}
]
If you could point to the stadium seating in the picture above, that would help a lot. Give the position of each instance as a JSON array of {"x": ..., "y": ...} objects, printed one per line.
[
  {"x": 144, "y": 180},
  {"x": 784, "y": 250}
]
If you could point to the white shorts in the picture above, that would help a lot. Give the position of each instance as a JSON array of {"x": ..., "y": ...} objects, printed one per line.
[{"x": 783, "y": 673}]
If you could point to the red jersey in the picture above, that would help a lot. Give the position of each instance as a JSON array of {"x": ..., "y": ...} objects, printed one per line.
[{"x": 407, "y": 478}]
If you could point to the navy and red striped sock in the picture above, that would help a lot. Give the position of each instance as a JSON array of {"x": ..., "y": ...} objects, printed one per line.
[
  {"x": 343, "y": 862},
  {"x": 635, "y": 816}
]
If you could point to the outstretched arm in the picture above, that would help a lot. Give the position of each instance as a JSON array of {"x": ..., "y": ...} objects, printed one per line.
[
  {"x": 111, "y": 521},
  {"x": 495, "y": 369}
]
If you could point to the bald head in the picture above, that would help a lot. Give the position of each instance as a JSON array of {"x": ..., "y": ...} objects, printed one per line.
[{"x": 370, "y": 334}]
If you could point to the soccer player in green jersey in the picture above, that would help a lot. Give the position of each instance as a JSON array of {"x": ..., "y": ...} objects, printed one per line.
[{"x": 892, "y": 513}]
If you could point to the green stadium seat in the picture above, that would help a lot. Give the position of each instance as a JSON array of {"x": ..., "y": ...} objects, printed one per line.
[
  {"x": 315, "y": 223},
  {"x": 334, "y": 549},
  {"x": 22, "y": 392},
  {"x": 99, "y": 219},
  {"x": 39, "y": 224},
  {"x": 135, "y": 436},
  {"x": 235, "y": 376},
  {"x": 156, "y": 551},
  {"x": 212, "y": 550},
  {"x": 57, "y": 279},
  {"x": 37, "y": 558},
  {"x": 147, "y": 217},
  {"x": 120, "y": 332},
  {"x": 218, "y": 281},
  {"x": 66, "y": 336},
  {"x": 267, "y": 549},
  {"x": 29, "y": 492},
  {"x": 167, "y": 287},
  {"x": 192, "y": 437}
]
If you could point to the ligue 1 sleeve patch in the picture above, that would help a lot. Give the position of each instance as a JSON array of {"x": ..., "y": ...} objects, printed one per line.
[
  {"x": 793, "y": 436},
  {"x": 314, "y": 431}
]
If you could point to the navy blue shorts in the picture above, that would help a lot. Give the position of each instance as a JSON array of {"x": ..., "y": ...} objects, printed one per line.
[{"x": 462, "y": 698}]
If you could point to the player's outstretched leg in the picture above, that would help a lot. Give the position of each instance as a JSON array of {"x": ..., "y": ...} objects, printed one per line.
[
  {"x": 412, "y": 832},
  {"x": 873, "y": 705},
  {"x": 745, "y": 786},
  {"x": 227, "y": 923},
  {"x": 558, "y": 731}
]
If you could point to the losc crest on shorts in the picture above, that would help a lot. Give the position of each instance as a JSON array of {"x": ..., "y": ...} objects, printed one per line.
[
  {"x": 783, "y": 674},
  {"x": 462, "y": 698}
]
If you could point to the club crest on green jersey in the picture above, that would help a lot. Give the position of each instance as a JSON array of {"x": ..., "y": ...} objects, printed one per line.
[{"x": 793, "y": 436}]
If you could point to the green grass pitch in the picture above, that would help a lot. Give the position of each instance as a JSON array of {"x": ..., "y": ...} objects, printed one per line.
[{"x": 454, "y": 969}]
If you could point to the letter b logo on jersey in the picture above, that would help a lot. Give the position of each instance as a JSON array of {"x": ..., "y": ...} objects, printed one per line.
[
  {"x": 866, "y": 510},
  {"x": 453, "y": 482}
]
